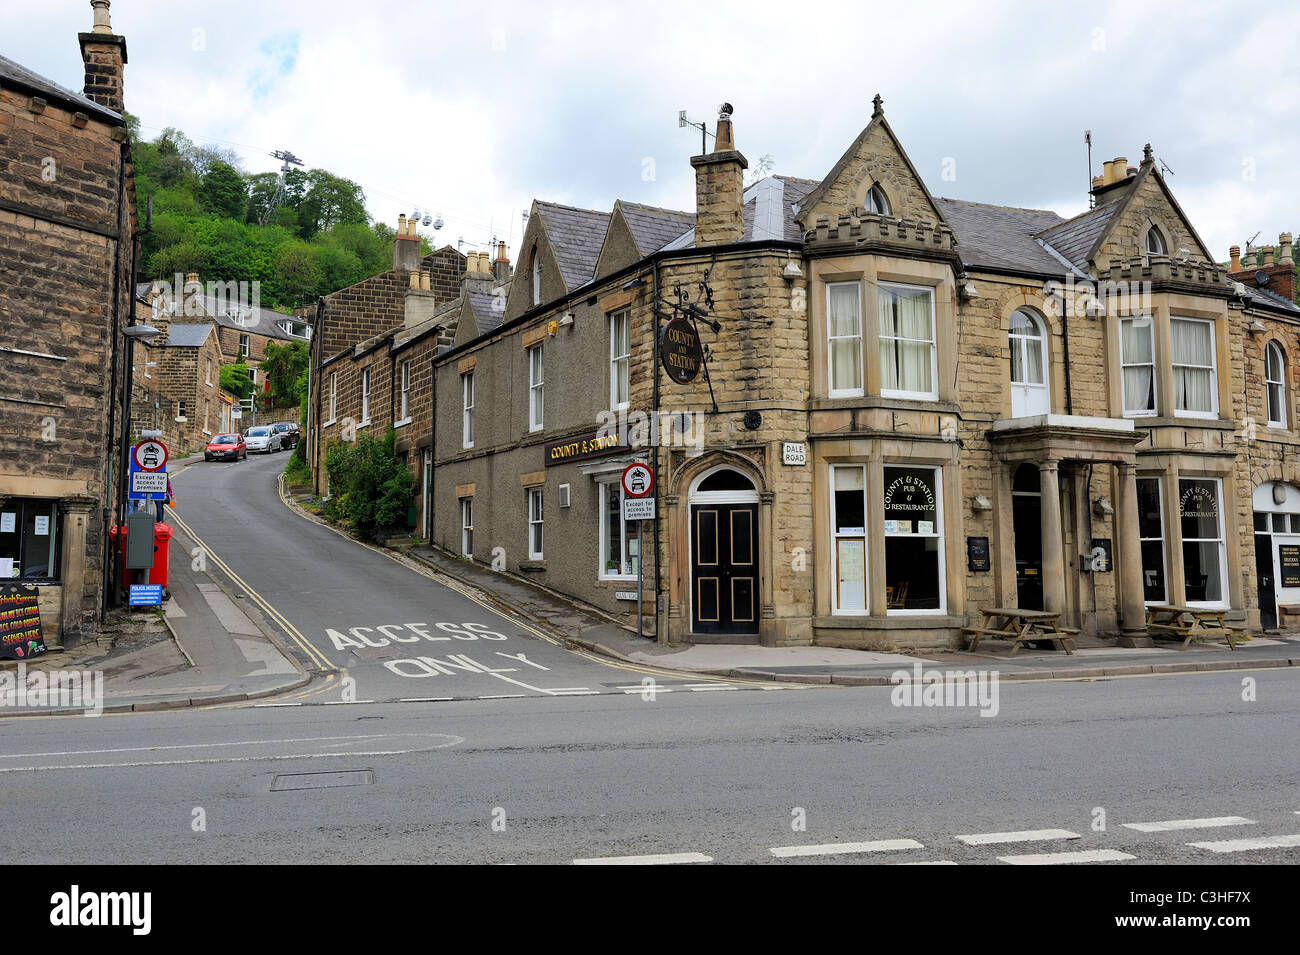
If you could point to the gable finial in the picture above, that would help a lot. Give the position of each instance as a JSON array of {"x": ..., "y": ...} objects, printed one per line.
[
  {"x": 877, "y": 106},
  {"x": 1147, "y": 154}
]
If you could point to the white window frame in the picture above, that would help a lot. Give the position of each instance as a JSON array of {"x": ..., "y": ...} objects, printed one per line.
[
  {"x": 1019, "y": 341},
  {"x": 836, "y": 537},
  {"x": 1147, "y": 251},
  {"x": 938, "y": 532},
  {"x": 536, "y": 524},
  {"x": 1155, "y": 390},
  {"x": 180, "y": 410},
  {"x": 365, "y": 397},
  {"x": 334, "y": 397},
  {"x": 536, "y": 387},
  {"x": 933, "y": 393},
  {"x": 467, "y": 527},
  {"x": 1164, "y": 542},
  {"x": 467, "y": 410},
  {"x": 601, "y": 573},
  {"x": 405, "y": 417},
  {"x": 1213, "y": 369},
  {"x": 1275, "y": 385},
  {"x": 831, "y": 390},
  {"x": 1221, "y": 540},
  {"x": 876, "y": 196},
  {"x": 207, "y": 373},
  {"x": 536, "y": 276},
  {"x": 620, "y": 364},
  {"x": 245, "y": 347}
]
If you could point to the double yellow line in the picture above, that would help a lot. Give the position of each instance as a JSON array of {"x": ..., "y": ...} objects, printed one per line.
[{"x": 319, "y": 659}]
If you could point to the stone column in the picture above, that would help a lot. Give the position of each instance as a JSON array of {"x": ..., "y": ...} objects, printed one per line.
[
  {"x": 72, "y": 559},
  {"x": 1053, "y": 547},
  {"x": 1132, "y": 605}
]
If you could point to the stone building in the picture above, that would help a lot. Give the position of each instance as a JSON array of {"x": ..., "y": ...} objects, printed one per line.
[
  {"x": 68, "y": 231},
  {"x": 872, "y": 411}
]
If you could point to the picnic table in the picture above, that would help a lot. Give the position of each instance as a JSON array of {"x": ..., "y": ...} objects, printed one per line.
[
  {"x": 1191, "y": 622},
  {"x": 1022, "y": 626}
]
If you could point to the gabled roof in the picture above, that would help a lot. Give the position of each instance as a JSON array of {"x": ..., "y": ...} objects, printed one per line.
[
  {"x": 653, "y": 228},
  {"x": 16, "y": 74},
  {"x": 1077, "y": 238},
  {"x": 576, "y": 236},
  {"x": 188, "y": 334},
  {"x": 1146, "y": 170},
  {"x": 489, "y": 309},
  {"x": 255, "y": 321},
  {"x": 1001, "y": 237}
]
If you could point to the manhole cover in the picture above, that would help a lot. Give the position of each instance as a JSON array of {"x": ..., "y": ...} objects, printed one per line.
[{"x": 353, "y": 777}]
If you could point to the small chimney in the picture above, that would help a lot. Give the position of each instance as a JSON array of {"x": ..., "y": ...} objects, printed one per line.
[
  {"x": 104, "y": 54},
  {"x": 1267, "y": 268},
  {"x": 406, "y": 246},
  {"x": 1284, "y": 256},
  {"x": 1268, "y": 256},
  {"x": 191, "y": 303},
  {"x": 1234, "y": 256},
  {"x": 720, "y": 187},
  {"x": 501, "y": 270}
]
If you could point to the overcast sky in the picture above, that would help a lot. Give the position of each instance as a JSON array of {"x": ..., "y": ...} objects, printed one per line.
[{"x": 473, "y": 109}]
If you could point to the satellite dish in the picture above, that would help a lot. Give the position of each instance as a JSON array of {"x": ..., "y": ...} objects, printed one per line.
[{"x": 1261, "y": 277}]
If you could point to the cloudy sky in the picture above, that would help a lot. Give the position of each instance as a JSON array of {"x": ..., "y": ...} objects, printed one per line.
[{"x": 471, "y": 110}]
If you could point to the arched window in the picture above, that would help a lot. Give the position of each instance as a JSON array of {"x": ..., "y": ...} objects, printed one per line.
[
  {"x": 1155, "y": 244},
  {"x": 875, "y": 201},
  {"x": 1027, "y": 339},
  {"x": 1275, "y": 383},
  {"x": 535, "y": 267}
]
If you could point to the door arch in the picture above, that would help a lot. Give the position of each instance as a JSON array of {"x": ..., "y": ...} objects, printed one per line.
[
  {"x": 724, "y": 552},
  {"x": 1027, "y": 341}
]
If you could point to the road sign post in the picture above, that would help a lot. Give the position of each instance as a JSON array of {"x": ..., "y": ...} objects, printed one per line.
[{"x": 638, "y": 483}]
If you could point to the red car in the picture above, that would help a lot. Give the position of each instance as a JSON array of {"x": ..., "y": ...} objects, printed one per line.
[{"x": 226, "y": 446}]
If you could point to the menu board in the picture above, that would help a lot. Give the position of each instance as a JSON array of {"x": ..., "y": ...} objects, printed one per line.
[
  {"x": 20, "y": 622},
  {"x": 851, "y": 564},
  {"x": 1288, "y": 558}
]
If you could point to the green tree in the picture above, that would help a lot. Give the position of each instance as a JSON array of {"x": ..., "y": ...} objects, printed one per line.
[
  {"x": 223, "y": 191},
  {"x": 297, "y": 273},
  {"x": 236, "y": 380},
  {"x": 329, "y": 200},
  {"x": 284, "y": 365}
]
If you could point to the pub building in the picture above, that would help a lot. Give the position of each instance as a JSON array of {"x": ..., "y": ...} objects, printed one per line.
[{"x": 872, "y": 413}]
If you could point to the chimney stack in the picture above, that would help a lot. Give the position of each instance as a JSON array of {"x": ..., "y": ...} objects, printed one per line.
[
  {"x": 104, "y": 54},
  {"x": 406, "y": 245},
  {"x": 1275, "y": 267},
  {"x": 720, "y": 188},
  {"x": 501, "y": 270}
]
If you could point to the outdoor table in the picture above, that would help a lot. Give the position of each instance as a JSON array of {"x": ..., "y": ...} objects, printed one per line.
[
  {"x": 1022, "y": 626},
  {"x": 1190, "y": 623}
]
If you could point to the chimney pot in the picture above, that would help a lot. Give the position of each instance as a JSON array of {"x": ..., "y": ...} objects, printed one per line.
[
  {"x": 415, "y": 278},
  {"x": 1284, "y": 256},
  {"x": 1234, "y": 254},
  {"x": 426, "y": 279},
  {"x": 719, "y": 188},
  {"x": 102, "y": 23},
  {"x": 1268, "y": 256}
]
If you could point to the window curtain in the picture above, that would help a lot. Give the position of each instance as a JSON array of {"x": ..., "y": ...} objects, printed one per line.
[
  {"x": 1193, "y": 344},
  {"x": 905, "y": 361},
  {"x": 844, "y": 323},
  {"x": 1137, "y": 351}
]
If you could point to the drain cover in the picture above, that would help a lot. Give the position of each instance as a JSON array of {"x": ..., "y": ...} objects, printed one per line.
[{"x": 352, "y": 777}]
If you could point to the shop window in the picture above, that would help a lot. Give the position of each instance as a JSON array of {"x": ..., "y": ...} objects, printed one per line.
[
  {"x": 914, "y": 553},
  {"x": 1275, "y": 383},
  {"x": 467, "y": 527},
  {"x": 1138, "y": 365},
  {"x": 844, "y": 338},
  {"x": 535, "y": 523},
  {"x": 1151, "y": 537},
  {"x": 617, "y": 546},
  {"x": 1196, "y": 391},
  {"x": 29, "y": 539},
  {"x": 849, "y": 537},
  {"x": 907, "y": 343},
  {"x": 1204, "y": 559}
]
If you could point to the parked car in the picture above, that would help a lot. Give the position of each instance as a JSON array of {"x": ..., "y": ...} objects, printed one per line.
[
  {"x": 289, "y": 433},
  {"x": 263, "y": 438},
  {"x": 230, "y": 446}
]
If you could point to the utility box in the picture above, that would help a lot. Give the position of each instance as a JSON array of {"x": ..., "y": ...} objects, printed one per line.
[{"x": 139, "y": 540}]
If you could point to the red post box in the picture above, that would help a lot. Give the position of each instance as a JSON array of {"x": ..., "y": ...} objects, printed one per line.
[{"x": 162, "y": 535}]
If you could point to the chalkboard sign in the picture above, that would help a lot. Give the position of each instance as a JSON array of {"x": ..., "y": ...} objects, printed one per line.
[
  {"x": 977, "y": 554},
  {"x": 20, "y": 622},
  {"x": 1288, "y": 556}
]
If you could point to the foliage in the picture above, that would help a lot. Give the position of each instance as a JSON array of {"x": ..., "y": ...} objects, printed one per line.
[
  {"x": 371, "y": 489},
  {"x": 285, "y": 366},
  {"x": 236, "y": 380},
  {"x": 224, "y": 191},
  {"x": 298, "y": 471}
]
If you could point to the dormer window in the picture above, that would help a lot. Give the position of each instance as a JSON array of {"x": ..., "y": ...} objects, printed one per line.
[
  {"x": 875, "y": 201},
  {"x": 1155, "y": 244}
]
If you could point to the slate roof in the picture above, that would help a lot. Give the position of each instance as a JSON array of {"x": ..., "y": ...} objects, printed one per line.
[
  {"x": 576, "y": 238},
  {"x": 255, "y": 321},
  {"x": 1075, "y": 238},
  {"x": 188, "y": 334},
  {"x": 1001, "y": 237},
  {"x": 16, "y": 74},
  {"x": 1262, "y": 296},
  {"x": 653, "y": 228},
  {"x": 770, "y": 208},
  {"x": 488, "y": 310}
]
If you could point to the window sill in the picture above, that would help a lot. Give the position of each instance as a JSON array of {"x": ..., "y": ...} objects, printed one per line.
[
  {"x": 623, "y": 579},
  {"x": 402, "y": 424},
  {"x": 328, "y": 424},
  {"x": 363, "y": 424},
  {"x": 533, "y": 565},
  {"x": 923, "y": 620}
]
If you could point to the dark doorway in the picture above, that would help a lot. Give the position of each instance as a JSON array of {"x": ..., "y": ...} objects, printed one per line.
[
  {"x": 1264, "y": 574},
  {"x": 1026, "y": 515}
]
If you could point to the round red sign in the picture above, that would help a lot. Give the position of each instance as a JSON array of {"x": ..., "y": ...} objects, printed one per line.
[{"x": 638, "y": 480}]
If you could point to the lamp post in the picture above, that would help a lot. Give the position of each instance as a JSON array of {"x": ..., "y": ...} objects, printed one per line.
[{"x": 134, "y": 332}]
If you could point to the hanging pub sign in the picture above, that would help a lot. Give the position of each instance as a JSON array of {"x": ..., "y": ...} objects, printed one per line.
[
  {"x": 20, "y": 622},
  {"x": 679, "y": 351}
]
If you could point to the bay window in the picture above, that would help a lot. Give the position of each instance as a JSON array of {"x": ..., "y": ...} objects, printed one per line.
[
  {"x": 1196, "y": 391},
  {"x": 1138, "y": 365},
  {"x": 907, "y": 341},
  {"x": 844, "y": 338},
  {"x": 914, "y": 551},
  {"x": 1204, "y": 557}
]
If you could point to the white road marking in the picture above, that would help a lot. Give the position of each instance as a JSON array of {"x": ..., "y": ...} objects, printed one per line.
[
  {"x": 1171, "y": 825},
  {"x": 344, "y": 702},
  {"x": 1245, "y": 845},
  {"x": 502, "y": 696},
  {"x": 260, "y": 705},
  {"x": 247, "y": 742},
  {"x": 935, "y": 862},
  {"x": 1066, "y": 858},
  {"x": 1024, "y": 835},
  {"x": 844, "y": 848},
  {"x": 670, "y": 858},
  {"x": 426, "y": 699}
]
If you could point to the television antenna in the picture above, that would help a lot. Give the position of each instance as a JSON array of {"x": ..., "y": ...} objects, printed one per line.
[
  {"x": 281, "y": 194},
  {"x": 702, "y": 127}
]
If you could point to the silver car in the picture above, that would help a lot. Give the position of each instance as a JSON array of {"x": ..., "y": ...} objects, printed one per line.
[{"x": 263, "y": 439}]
